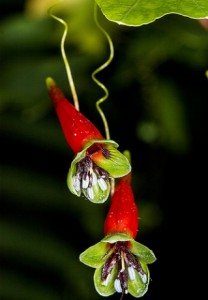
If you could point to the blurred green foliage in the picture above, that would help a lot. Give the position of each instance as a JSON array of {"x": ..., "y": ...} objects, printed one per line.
[{"x": 156, "y": 109}]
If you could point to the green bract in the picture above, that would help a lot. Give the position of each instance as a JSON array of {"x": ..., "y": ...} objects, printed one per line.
[
  {"x": 89, "y": 173},
  {"x": 98, "y": 255}
]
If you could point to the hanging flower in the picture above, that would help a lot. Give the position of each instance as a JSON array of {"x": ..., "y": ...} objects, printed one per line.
[
  {"x": 96, "y": 159},
  {"x": 120, "y": 261}
]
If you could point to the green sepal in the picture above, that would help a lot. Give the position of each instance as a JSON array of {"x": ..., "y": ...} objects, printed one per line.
[
  {"x": 101, "y": 142},
  {"x": 117, "y": 237},
  {"x": 137, "y": 287},
  {"x": 72, "y": 171},
  {"x": 142, "y": 252},
  {"x": 100, "y": 287},
  {"x": 117, "y": 165},
  {"x": 95, "y": 255}
]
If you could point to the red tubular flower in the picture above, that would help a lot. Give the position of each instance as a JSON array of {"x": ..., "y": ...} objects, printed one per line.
[
  {"x": 77, "y": 129},
  {"x": 123, "y": 214},
  {"x": 96, "y": 159},
  {"x": 120, "y": 261}
]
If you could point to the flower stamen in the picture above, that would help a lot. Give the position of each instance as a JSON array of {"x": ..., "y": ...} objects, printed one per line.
[
  {"x": 102, "y": 184},
  {"x": 117, "y": 286},
  {"x": 131, "y": 273},
  {"x": 88, "y": 175},
  {"x": 90, "y": 193}
]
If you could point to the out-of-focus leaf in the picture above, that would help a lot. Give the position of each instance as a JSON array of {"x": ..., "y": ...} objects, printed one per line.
[
  {"x": 151, "y": 216},
  {"x": 170, "y": 124},
  {"x": 23, "y": 187},
  {"x": 169, "y": 38},
  {"x": 41, "y": 251},
  {"x": 24, "y": 33},
  {"x": 42, "y": 133},
  {"x": 16, "y": 287},
  {"x": 34, "y": 246},
  {"x": 82, "y": 33},
  {"x": 136, "y": 13}
]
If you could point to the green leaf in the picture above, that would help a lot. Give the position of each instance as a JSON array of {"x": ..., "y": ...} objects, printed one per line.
[
  {"x": 170, "y": 120},
  {"x": 142, "y": 252},
  {"x": 102, "y": 289},
  {"x": 95, "y": 255},
  {"x": 14, "y": 286},
  {"x": 140, "y": 12}
]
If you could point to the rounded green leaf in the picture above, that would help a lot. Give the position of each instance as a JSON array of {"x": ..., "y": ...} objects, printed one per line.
[
  {"x": 95, "y": 255},
  {"x": 142, "y": 252},
  {"x": 140, "y": 12}
]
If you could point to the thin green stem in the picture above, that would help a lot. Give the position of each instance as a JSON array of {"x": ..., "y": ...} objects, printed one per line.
[
  {"x": 63, "y": 53},
  {"x": 101, "y": 100}
]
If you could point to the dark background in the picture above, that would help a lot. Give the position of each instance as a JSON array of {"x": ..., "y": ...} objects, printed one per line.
[{"x": 157, "y": 109}]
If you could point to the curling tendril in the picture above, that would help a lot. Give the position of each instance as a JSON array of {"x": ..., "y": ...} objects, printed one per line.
[
  {"x": 103, "y": 66},
  {"x": 63, "y": 53}
]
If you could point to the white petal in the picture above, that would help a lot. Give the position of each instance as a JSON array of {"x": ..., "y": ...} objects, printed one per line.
[
  {"x": 85, "y": 182},
  {"x": 143, "y": 277},
  {"x": 102, "y": 184},
  {"x": 76, "y": 183},
  {"x": 90, "y": 193},
  {"x": 94, "y": 179},
  {"x": 131, "y": 273},
  {"x": 105, "y": 282},
  {"x": 117, "y": 286}
]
